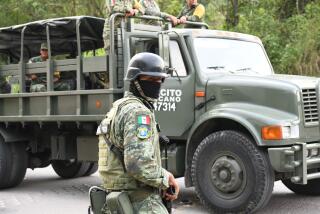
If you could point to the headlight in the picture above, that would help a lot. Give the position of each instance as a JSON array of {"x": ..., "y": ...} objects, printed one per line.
[{"x": 280, "y": 132}]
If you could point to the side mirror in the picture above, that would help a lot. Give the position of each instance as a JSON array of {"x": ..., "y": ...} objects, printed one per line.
[{"x": 170, "y": 71}]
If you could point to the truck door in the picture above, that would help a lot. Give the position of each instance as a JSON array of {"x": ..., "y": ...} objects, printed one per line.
[{"x": 175, "y": 106}]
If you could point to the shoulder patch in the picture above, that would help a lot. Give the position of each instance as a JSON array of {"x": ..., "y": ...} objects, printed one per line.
[
  {"x": 143, "y": 131},
  {"x": 143, "y": 122}
]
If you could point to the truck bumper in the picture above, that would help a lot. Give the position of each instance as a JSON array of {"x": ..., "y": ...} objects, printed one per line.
[{"x": 301, "y": 160}]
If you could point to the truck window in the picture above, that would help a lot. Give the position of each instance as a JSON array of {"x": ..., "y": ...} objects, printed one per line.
[
  {"x": 229, "y": 55},
  {"x": 176, "y": 59},
  {"x": 139, "y": 45}
]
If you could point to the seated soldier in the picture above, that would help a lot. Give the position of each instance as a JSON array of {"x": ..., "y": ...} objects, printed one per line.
[
  {"x": 38, "y": 81},
  {"x": 192, "y": 11},
  {"x": 4, "y": 86}
]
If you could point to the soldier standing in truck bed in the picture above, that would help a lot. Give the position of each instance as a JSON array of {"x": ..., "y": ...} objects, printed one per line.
[
  {"x": 192, "y": 11},
  {"x": 152, "y": 9},
  {"x": 127, "y": 7}
]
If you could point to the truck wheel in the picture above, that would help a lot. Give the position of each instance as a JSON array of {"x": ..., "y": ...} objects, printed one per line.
[
  {"x": 312, "y": 188},
  {"x": 231, "y": 174},
  {"x": 70, "y": 168},
  {"x": 19, "y": 163},
  {"x": 13, "y": 164},
  {"x": 92, "y": 169}
]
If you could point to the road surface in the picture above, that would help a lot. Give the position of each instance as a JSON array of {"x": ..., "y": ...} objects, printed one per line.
[{"x": 43, "y": 192}]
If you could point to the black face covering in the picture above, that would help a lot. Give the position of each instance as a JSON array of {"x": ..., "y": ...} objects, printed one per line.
[{"x": 150, "y": 89}]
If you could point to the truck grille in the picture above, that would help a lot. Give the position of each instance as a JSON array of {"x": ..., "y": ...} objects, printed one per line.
[{"x": 310, "y": 106}]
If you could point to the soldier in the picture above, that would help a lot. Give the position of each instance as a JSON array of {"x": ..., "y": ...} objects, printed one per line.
[
  {"x": 4, "y": 86},
  {"x": 130, "y": 127},
  {"x": 152, "y": 9},
  {"x": 192, "y": 11},
  {"x": 127, "y": 7},
  {"x": 38, "y": 82}
]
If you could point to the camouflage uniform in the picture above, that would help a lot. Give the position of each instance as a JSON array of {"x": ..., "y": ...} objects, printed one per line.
[
  {"x": 117, "y": 6},
  {"x": 39, "y": 84},
  {"x": 131, "y": 126},
  {"x": 152, "y": 9},
  {"x": 193, "y": 14}
]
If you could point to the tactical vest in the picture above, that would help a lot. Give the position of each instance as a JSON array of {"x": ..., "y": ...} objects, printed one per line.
[{"x": 110, "y": 167}]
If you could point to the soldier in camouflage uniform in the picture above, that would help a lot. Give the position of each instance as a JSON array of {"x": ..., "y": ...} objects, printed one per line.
[
  {"x": 38, "y": 82},
  {"x": 4, "y": 86},
  {"x": 130, "y": 125},
  {"x": 127, "y": 7},
  {"x": 192, "y": 11},
  {"x": 152, "y": 9}
]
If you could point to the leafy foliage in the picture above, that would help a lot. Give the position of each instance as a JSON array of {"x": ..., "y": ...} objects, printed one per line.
[{"x": 289, "y": 29}]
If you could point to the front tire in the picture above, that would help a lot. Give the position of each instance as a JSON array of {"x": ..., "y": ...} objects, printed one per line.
[
  {"x": 231, "y": 174},
  {"x": 311, "y": 188}
]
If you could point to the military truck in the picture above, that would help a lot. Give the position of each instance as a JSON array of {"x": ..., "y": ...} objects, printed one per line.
[{"x": 235, "y": 126}]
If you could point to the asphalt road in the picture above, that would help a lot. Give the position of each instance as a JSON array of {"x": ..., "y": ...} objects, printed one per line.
[{"x": 43, "y": 192}]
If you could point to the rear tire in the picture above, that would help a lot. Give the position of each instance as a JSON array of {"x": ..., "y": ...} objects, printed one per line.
[
  {"x": 69, "y": 168},
  {"x": 312, "y": 188},
  {"x": 13, "y": 163},
  {"x": 230, "y": 174}
]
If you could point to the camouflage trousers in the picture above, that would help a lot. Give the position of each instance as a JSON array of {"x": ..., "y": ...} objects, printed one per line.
[
  {"x": 151, "y": 205},
  {"x": 106, "y": 33}
]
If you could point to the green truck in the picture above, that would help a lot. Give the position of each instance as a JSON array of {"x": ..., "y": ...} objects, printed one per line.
[{"x": 235, "y": 126}]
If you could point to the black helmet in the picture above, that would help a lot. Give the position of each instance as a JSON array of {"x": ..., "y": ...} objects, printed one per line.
[{"x": 148, "y": 64}]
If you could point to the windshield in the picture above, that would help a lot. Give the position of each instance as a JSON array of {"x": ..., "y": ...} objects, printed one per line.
[{"x": 232, "y": 56}]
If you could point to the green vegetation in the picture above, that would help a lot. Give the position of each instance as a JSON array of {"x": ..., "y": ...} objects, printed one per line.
[{"x": 289, "y": 29}]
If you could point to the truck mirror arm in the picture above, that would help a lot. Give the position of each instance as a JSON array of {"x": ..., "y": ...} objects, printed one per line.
[{"x": 170, "y": 72}]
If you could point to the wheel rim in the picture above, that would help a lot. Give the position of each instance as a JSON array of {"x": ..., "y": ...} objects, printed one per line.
[{"x": 228, "y": 175}]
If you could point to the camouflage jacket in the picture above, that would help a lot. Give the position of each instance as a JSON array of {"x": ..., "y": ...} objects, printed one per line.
[
  {"x": 36, "y": 59},
  {"x": 152, "y": 9},
  {"x": 122, "y": 6},
  {"x": 41, "y": 77},
  {"x": 193, "y": 14},
  {"x": 131, "y": 126}
]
